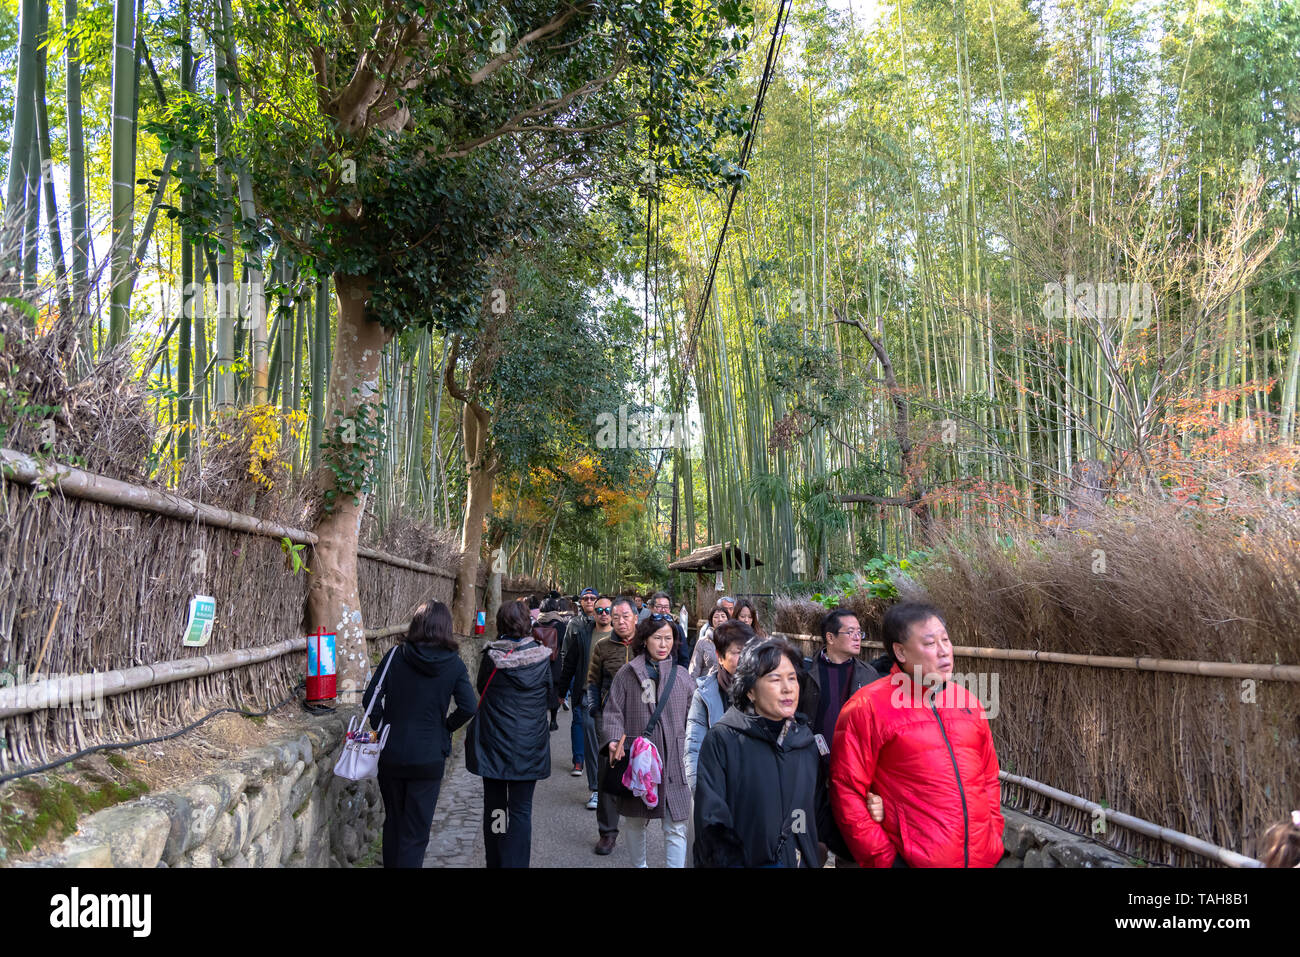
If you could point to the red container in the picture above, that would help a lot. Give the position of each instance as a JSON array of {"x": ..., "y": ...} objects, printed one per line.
[
  {"x": 480, "y": 623},
  {"x": 322, "y": 667}
]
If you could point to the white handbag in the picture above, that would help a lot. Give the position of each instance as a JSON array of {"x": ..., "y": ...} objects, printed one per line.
[{"x": 360, "y": 757}]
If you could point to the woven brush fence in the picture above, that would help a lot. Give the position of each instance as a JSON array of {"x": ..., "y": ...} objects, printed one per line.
[
  {"x": 1182, "y": 751},
  {"x": 97, "y": 587},
  {"x": 87, "y": 586},
  {"x": 389, "y": 596},
  {"x": 1217, "y": 758}
]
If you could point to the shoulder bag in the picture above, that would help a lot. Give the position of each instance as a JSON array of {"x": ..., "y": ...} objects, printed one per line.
[
  {"x": 360, "y": 757},
  {"x": 612, "y": 782}
]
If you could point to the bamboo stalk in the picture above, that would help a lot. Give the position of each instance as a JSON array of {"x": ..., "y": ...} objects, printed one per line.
[
  {"x": 1129, "y": 822},
  {"x": 40, "y": 656},
  {"x": 22, "y": 135},
  {"x": 1204, "y": 669},
  {"x": 74, "y": 689},
  {"x": 18, "y": 467}
]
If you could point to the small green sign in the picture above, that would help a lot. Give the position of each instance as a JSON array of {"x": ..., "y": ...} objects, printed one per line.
[{"x": 203, "y": 611}]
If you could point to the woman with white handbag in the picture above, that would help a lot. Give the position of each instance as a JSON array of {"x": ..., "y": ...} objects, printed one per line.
[{"x": 415, "y": 685}]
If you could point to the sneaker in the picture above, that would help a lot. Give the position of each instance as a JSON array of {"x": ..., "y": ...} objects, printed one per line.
[
  {"x": 591, "y": 806},
  {"x": 555, "y": 725},
  {"x": 565, "y": 704},
  {"x": 577, "y": 770}
]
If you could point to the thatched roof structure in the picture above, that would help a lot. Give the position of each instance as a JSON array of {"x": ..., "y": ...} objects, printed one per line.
[{"x": 714, "y": 558}]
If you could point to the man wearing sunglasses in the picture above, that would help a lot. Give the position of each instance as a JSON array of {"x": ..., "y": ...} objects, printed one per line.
[{"x": 583, "y": 632}]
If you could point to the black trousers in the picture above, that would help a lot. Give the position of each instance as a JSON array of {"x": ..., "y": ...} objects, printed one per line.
[
  {"x": 606, "y": 804},
  {"x": 508, "y": 822},
  {"x": 409, "y": 804}
]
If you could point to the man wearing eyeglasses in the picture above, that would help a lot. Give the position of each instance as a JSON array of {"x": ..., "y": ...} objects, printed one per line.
[
  {"x": 582, "y": 634},
  {"x": 661, "y": 604},
  {"x": 829, "y": 679},
  {"x": 608, "y": 655}
]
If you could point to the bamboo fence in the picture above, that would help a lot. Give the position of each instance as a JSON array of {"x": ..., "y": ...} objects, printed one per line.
[
  {"x": 96, "y": 575},
  {"x": 1213, "y": 758}
]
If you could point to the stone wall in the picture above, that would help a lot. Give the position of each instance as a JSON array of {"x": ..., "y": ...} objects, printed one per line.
[
  {"x": 277, "y": 806},
  {"x": 1034, "y": 843}
]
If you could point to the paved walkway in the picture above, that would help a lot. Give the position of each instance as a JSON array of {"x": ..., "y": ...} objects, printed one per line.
[
  {"x": 456, "y": 838},
  {"x": 564, "y": 831}
]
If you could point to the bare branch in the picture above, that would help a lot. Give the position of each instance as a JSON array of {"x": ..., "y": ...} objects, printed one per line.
[{"x": 541, "y": 33}]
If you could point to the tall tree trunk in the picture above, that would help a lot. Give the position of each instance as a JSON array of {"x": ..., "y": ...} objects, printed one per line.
[
  {"x": 1287, "y": 429},
  {"x": 123, "y": 168},
  {"x": 319, "y": 367},
  {"x": 32, "y": 227},
  {"x": 253, "y": 295},
  {"x": 332, "y": 601},
  {"x": 77, "y": 186},
  {"x": 478, "y": 501},
  {"x": 480, "y": 470},
  {"x": 227, "y": 306},
  {"x": 47, "y": 176},
  {"x": 435, "y": 387},
  {"x": 184, "y": 354},
  {"x": 20, "y": 145},
  {"x": 199, "y": 410}
]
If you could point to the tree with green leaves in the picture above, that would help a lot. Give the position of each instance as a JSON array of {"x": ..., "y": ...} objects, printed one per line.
[{"x": 401, "y": 147}]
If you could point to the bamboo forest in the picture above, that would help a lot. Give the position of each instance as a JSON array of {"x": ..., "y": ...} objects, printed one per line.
[{"x": 993, "y": 304}]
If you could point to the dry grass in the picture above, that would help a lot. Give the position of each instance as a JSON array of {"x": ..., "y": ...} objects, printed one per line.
[
  {"x": 217, "y": 473},
  {"x": 1217, "y": 758},
  {"x": 803, "y": 616},
  {"x": 1213, "y": 757},
  {"x": 410, "y": 538},
  {"x": 100, "y": 422},
  {"x": 89, "y": 587}
]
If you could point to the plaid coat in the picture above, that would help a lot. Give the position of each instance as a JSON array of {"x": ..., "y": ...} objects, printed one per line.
[{"x": 625, "y": 712}]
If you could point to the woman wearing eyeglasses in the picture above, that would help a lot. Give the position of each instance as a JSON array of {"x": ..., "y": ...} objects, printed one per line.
[
  {"x": 713, "y": 691},
  {"x": 650, "y": 679}
]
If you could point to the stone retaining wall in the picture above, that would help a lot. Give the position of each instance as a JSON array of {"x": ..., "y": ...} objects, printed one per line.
[
  {"x": 277, "y": 806},
  {"x": 1034, "y": 843}
]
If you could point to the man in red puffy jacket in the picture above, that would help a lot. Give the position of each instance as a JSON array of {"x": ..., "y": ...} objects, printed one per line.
[{"x": 922, "y": 742}]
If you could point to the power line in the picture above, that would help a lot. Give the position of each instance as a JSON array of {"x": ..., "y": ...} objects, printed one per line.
[{"x": 778, "y": 32}]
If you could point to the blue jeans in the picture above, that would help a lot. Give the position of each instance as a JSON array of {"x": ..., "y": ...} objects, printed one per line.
[{"x": 576, "y": 737}]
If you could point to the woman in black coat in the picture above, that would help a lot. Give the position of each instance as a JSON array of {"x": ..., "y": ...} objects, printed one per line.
[
  {"x": 424, "y": 673},
  {"x": 757, "y": 775},
  {"x": 509, "y": 743}
]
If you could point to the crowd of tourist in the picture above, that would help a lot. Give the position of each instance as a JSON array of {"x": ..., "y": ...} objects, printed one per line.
[{"x": 747, "y": 753}]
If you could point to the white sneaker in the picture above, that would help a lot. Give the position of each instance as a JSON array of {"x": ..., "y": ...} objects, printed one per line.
[{"x": 594, "y": 802}]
